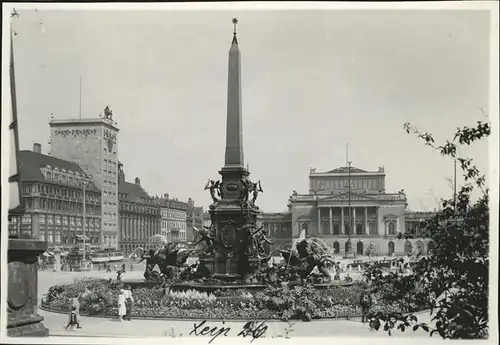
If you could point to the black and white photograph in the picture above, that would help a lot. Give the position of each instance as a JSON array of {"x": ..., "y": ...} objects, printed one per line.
[{"x": 249, "y": 172}]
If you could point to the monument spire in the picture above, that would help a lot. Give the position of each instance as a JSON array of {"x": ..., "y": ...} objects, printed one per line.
[{"x": 234, "y": 135}]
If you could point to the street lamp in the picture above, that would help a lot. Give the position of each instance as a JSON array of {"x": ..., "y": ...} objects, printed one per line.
[
  {"x": 84, "y": 262},
  {"x": 350, "y": 217}
]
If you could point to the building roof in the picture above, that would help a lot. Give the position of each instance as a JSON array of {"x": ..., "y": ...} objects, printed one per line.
[
  {"x": 345, "y": 170},
  {"x": 31, "y": 163},
  {"x": 134, "y": 191}
]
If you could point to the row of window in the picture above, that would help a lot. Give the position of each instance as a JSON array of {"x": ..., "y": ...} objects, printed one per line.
[
  {"x": 391, "y": 228},
  {"x": 61, "y": 177},
  {"x": 61, "y": 191},
  {"x": 167, "y": 224},
  {"x": 72, "y": 221},
  {"x": 173, "y": 214},
  {"x": 65, "y": 238},
  {"x": 139, "y": 208},
  {"x": 109, "y": 153},
  {"x": 109, "y": 204},
  {"x": 109, "y": 183},
  {"x": 62, "y": 205},
  {"x": 355, "y": 184}
]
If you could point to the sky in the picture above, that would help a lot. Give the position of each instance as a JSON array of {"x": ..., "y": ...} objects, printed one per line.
[{"x": 312, "y": 81}]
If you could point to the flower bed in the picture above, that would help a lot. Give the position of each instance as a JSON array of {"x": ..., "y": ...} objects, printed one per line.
[{"x": 100, "y": 297}]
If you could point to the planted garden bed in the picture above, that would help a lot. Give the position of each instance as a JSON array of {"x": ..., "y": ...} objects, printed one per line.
[{"x": 100, "y": 297}]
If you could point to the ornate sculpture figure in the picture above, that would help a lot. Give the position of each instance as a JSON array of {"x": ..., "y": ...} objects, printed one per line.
[
  {"x": 207, "y": 235},
  {"x": 108, "y": 113},
  {"x": 245, "y": 190},
  {"x": 307, "y": 256},
  {"x": 168, "y": 258},
  {"x": 255, "y": 188},
  {"x": 214, "y": 188}
]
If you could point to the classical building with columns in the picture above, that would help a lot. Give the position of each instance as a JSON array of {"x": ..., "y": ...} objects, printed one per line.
[{"x": 368, "y": 213}]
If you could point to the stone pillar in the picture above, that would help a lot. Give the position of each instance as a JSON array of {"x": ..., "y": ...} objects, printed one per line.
[
  {"x": 342, "y": 230},
  {"x": 397, "y": 225},
  {"x": 367, "y": 230},
  {"x": 330, "y": 227}
]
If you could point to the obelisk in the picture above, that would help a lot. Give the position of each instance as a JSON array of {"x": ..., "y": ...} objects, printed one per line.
[{"x": 234, "y": 135}]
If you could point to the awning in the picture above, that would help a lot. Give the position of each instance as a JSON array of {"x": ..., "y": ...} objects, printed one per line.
[{"x": 48, "y": 254}]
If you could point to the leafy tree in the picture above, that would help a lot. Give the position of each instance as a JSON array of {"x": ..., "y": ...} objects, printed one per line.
[{"x": 452, "y": 281}]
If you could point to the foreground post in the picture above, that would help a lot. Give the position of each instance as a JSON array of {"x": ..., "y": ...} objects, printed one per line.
[{"x": 22, "y": 299}]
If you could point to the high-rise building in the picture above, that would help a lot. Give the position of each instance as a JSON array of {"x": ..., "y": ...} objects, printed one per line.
[{"x": 93, "y": 145}]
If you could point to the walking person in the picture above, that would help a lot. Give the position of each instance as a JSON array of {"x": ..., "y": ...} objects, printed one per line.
[
  {"x": 129, "y": 302},
  {"x": 76, "y": 307},
  {"x": 73, "y": 321},
  {"x": 122, "y": 308}
]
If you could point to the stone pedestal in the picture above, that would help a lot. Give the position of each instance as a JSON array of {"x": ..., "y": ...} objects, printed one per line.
[{"x": 22, "y": 299}]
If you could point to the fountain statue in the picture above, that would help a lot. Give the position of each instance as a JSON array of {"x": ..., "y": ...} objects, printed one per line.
[{"x": 168, "y": 258}]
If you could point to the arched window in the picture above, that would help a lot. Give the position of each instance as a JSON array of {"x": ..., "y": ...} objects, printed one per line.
[
  {"x": 336, "y": 247},
  {"x": 408, "y": 248},
  {"x": 347, "y": 247},
  {"x": 420, "y": 248},
  {"x": 324, "y": 227},
  {"x": 336, "y": 228},
  {"x": 359, "y": 248},
  {"x": 391, "y": 248},
  {"x": 359, "y": 229},
  {"x": 392, "y": 228},
  {"x": 430, "y": 247}
]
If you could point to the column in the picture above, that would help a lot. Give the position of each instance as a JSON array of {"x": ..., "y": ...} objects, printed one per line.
[
  {"x": 331, "y": 220},
  {"x": 397, "y": 225},
  {"x": 353, "y": 230},
  {"x": 319, "y": 220},
  {"x": 342, "y": 230},
  {"x": 367, "y": 230}
]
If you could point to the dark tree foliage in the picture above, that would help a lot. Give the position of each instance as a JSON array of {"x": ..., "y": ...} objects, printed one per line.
[{"x": 452, "y": 281}]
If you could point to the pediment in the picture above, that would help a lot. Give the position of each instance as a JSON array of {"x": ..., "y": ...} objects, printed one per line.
[{"x": 345, "y": 196}]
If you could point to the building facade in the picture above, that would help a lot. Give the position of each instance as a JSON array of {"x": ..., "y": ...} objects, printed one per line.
[
  {"x": 93, "y": 145},
  {"x": 52, "y": 190},
  {"x": 140, "y": 215},
  {"x": 364, "y": 212}
]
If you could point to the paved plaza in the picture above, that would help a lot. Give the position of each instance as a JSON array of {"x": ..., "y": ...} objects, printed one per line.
[{"x": 101, "y": 327}]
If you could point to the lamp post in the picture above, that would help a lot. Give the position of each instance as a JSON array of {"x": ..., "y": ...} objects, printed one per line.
[
  {"x": 84, "y": 262},
  {"x": 350, "y": 216}
]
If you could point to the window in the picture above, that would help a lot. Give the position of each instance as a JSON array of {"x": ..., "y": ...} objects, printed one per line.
[
  {"x": 392, "y": 228},
  {"x": 42, "y": 219},
  {"x": 58, "y": 220},
  {"x": 50, "y": 220},
  {"x": 26, "y": 219}
]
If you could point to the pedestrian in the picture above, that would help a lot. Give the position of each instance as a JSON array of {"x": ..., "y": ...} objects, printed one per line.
[
  {"x": 348, "y": 278},
  {"x": 108, "y": 268},
  {"x": 76, "y": 307},
  {"x": 119, "y": 275},
  {"x": 122, "y": 308},
  {"x": 129, "y": 302},
  {"x": 73, "y": 320}
]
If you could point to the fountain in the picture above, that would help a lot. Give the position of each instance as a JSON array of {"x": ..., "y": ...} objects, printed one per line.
[{"x": 236, "y": 250}]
